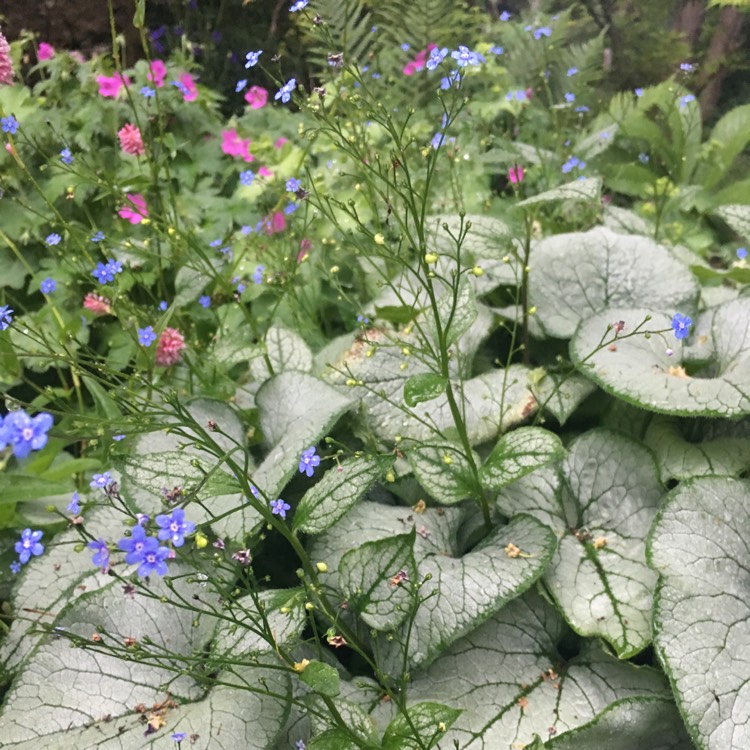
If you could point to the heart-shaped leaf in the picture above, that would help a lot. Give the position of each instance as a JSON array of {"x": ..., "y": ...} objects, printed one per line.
[
  {"x": 587, "y": 189},
  {"x": 601, "y": 508},
  {"x": 512, "y": 683},
  {"x": 648, "y": 372},
  {"x": 576, "y": 275},
  {"x": 699, "y": 547}
]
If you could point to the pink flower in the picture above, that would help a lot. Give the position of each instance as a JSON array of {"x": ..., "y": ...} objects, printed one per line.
[
  {"x": 275, "y": 224},
  {"x": 77, "y": 56},
  {"x": 419, "y": 61},
  {"x": 169, "y": 347},
  {"x": 280, "y": 142},
  {"x": 192, "y": 91},
  {"x": 97, "y": 304},
  {"x": 158, "y": 72},
  {"x": 256, "y": 97},
  {"x": 233, "y": 145},
  {"x": 136, "y": 212},
  {"x": 130, "y": 140},
  {"x": 264, "y": 172},
  {"x": 516, "y": 174},
  {"x": 45, "y": 51},
  {"x": 6, "y": 65},
  {"x": 110, "y": 86}
]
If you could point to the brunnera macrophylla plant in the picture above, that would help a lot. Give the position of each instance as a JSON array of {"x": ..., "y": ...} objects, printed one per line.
[{"x": 313, "y": 438}]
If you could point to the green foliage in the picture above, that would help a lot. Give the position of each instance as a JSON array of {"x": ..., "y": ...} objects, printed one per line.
[{"x": 393, "y": 473}]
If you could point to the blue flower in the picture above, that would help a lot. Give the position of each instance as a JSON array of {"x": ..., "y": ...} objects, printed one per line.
[
  {"x": 174, "y": 527},
  {"x": 9, "y": 124},
  {"x": 154, "y": 558},
  {"x": 572, "y": 162},
  {"x": 163, "y": 305},
  {"x": 437, "y": 140},
  {"x": 146, "y": 336},
  {"x": 496, "y": 50},
  {"x": 639, "y": 92},
  {"x": 293, "y": 185},
  {"x": 247, "y": 177},
  {"x": 436, "y": 57},
  {"x": 101, "y": 553},
  {"x": 581, "y": 108},
  {"x": 100, "y": 481},
  {"x": 308, "y": 461},
  {"x": 246, "y": 229},
  {"x": 519, "y": 95},
  {"x": 117, "y": 438},
  {"x": 178, "y": 737},
  {"x": 48, "y": 285},
  {"x": 570, "y": 97},
  {"x": 15, "y": 567},
  {"x": 148, "y": 92},
  {"x": 453, "y": 77},
  {"x": 24, "y": 433},
  {"x": 681, "y": 326},
  {"x": 182, "y": 87},
  {"x": 572, "y": 71},
  {"x": 742, "y": 253},
  {"x": 643, "y": 158},
  {"x": 240, "y": 85},
  {"x": 258, "y": 274},
  {"x": 134, "y": 545},
  {"x": 29, "y": 545},
  {"x": 464, "y": 56},
  {"x": 204, "y": 301},
  {"x": 542, "y": 31},
  {"x": 105, "y": 272},
  {"x": 279, "y": 508},
  {"x": 98, "y": 237},
  {"x": 66, "y": 157},
  {"x": 504, "y": 16},
  {"x": 406, "y": 46},
  {"x": 286, "y": 91},
  {"x": 290, "y": 209},
  {"x": 53, "y": 239},
  {"x": 215, "y": 243},
  {"x": 252, "y": 58},
  {"x": 6, "y": 318},
  {"x": 687, "y": 67},
  {"x": 73, "y": 506},
  {"x": 299, "y": 5},
  {"x": 685, "y": 100}
]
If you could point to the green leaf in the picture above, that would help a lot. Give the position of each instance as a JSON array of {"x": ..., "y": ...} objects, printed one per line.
[
  {"x": 643, "y": 723},
  {"x": 512, "y": 682},
  {"x": 339, "y": 489},
  {"x": 575, "y": 275},
  {"x": 561, "y": 395},
  {"x": 729, "y": 137},
  {"x": 139, "y": 19},
  {"x": 601, "y": 508},
  {"x": 429, "y": 719},
  {"x": 519, "y": 453},
  {"x": 698, "y": 546},
  {"x": 587, "y": 189},
  {"x": 700, "y": 447},
  {"x": 448, "y": 483},
  {"x": 321, "y": 678},
  {"x": 365, "y": 578},
  {"x": 397, "y": 313},
  {"x": 333, "y": 739},
  {"x": 456, "y": 310},
  {"x": 642, "y": 371},
  {"x": 461, "y": 591},
  {"x": 16, "y": 487},
  {"x": 424, "y": 387},
  {"x": 296, "y": 410}
]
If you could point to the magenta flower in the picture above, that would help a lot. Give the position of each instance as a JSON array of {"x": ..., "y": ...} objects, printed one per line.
[
  {"x": 190, "y": 92},
  {"x": 110, "y": 86},
  {"x": 233, "y": 145},
  {"x": 6, "y": 64},
  {"x": 134, "y": 210},
  {"x": 256, "y": 97},
  {"x": 516, "y": 174},
  {"x": 45, "y": 51},
  {"x": 157, "y": 74},
  {"x": 169, "y": 348}
]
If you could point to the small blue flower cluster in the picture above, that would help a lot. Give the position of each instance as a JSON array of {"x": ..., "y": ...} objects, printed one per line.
[
  {"x": 105, "y": 272},
  {"x": 24, "y": 433}
]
